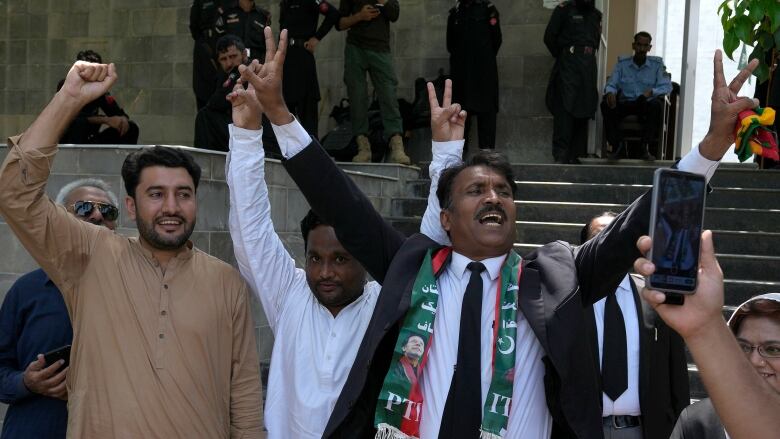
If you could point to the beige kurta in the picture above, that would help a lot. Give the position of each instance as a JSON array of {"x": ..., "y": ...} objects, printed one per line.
[{"x": 155, "y": 355}]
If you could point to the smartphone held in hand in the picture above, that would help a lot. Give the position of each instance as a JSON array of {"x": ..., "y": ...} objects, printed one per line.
[
  {"x": 676, "y": 223},
  {"x": 62, "y": 353}
]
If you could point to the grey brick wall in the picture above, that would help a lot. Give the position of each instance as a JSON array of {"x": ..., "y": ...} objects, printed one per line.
[{"x": 150, "y": 42}]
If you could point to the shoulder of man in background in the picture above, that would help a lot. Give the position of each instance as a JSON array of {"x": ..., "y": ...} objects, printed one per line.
[{"x": 264, "y": 12}]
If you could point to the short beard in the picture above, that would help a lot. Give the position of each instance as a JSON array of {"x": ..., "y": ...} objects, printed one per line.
[{"x": 147, "y": 232}]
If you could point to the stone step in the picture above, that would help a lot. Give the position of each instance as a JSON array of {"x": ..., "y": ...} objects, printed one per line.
[
  {"x": 727, "y": 175},
  {"x": 752, "y": 220},
  {"x": 754, "y": 268},
  {"x": 741, "y": 219},
  {"x": 724, "y": 177},
  {"x": 734, "y": 242},
  {"x": 622, "y": 193},
  {"x": 626, "y": 193},
  {"x": 736, "y": 290},
  {"x": 697, "y": 390}
]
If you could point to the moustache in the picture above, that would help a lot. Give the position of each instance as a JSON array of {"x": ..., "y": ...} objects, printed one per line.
[{"x": 491, "y": 208}]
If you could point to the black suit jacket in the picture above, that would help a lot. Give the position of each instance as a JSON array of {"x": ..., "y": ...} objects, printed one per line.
[
  {"x": 558, "y": 281},
  {"x": 663, "y": 368}
]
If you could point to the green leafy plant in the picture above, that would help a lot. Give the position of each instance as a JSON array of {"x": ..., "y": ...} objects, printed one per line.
[{"x": 754, "y": 23}]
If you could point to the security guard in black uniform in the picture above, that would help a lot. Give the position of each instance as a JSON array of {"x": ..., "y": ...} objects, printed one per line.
[
  {"x": 473, "y": 40},
  {"x": 203, "y": 21},
  {"x": 572, "y": 37},
  {"x": 301, "y": 88},
  {"x": 246, "y": 20}
]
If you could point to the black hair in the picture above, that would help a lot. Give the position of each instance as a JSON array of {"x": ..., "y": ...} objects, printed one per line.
[
  {"x": 157, "y": 156},
  {"x": 308, "y": 223},
  {"x": 643, "y": 34},
  {"x": 89, "y": 56},
  {"x": 226, "y": 41},
  {"x": 493, "y": 160},
  {"x": 585, "y": 232}
]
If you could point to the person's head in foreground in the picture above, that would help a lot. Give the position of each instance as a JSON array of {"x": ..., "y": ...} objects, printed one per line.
[
  {"x": 161, "y": 184},
  {"x": 334, "y": 276},
  {"x": 756, "y": 325},
  {"x": 90, "y": 200},
  {"x": 477, "y": 205}
]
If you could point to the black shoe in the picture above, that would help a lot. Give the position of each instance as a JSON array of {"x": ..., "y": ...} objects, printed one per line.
[
  {"x": 615, "y": 155},
  {"x": 574, "y": 161},
  {"x": 648, "y": 157}
]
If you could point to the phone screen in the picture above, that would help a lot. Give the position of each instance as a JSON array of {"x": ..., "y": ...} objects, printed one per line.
[{"x": 676, "y": 226}]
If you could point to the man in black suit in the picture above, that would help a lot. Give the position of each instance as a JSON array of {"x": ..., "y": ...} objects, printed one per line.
[
  {"x": 653, "y": 363},
  {"x": 479, "y": 215}
]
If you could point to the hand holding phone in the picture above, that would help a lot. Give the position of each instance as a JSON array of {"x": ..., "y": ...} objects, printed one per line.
[
  {"x": 676, "y": 224},
  {"x": 46, "y": 379}
]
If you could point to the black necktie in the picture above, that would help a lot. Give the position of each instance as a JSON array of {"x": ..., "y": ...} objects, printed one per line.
[
  {"x": 614, "y": 364},
  {"x": 463, "y": 410}
]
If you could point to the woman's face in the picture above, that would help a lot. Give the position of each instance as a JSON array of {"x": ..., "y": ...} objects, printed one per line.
[{"x": 762, "y": 331}]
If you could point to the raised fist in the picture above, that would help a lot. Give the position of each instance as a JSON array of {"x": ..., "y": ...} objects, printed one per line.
[{"x": 88, "y": 81}]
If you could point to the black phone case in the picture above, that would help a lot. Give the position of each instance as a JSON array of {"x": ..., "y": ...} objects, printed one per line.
[{"x": 62, "y": 353}]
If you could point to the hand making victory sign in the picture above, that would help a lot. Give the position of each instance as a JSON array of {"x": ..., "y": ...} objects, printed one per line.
[
  {"x": 266, "y": 79},
  {"x": 726, "y": 105},
  {"x": 448, "y": 121}
]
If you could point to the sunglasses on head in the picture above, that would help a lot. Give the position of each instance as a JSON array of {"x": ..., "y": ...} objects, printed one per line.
[{"x": 84, "y": 209}]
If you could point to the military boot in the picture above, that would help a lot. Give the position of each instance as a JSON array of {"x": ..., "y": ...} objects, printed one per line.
[
  {"x": 364, "y": 150},
  {"x": 397, "y": 154}
]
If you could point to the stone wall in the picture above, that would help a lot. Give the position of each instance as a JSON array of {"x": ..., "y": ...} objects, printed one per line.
[
  {"x": 150, "y": 42},
  {"x": 381, "y": 183}
]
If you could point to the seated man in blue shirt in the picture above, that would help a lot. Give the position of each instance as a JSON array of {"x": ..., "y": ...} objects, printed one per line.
[
  {"x": 635, "y": 88},
  {"x": 34, "y": 320}
]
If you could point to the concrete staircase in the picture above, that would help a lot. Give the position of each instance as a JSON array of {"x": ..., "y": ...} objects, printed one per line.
[{"x": 554, "y": 201}]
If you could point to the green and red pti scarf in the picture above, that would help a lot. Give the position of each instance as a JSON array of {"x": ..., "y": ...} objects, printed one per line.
[{"x": 399, "y": 408}]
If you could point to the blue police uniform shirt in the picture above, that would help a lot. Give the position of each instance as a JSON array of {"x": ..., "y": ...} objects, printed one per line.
[
  {"x": 632, "y": 80},
  {"x": 33, "y": 320}
]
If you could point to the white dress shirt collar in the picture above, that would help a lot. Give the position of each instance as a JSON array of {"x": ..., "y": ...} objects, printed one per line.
[{"x": 459, "y": 265}]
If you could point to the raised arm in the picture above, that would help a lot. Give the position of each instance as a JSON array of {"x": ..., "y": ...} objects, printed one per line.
[
  {"x": 447, "y": 127},
  {"x": 330, "y": 192},
  {"x": 733, "y": 384},
  {"x": 60, "y": 243},
  {"x": 261, "y": 256},
  {"x": 605, "y": 259}
]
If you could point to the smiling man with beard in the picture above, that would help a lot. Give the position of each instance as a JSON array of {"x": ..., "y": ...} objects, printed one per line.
[{"x": 163, "y": 338}]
